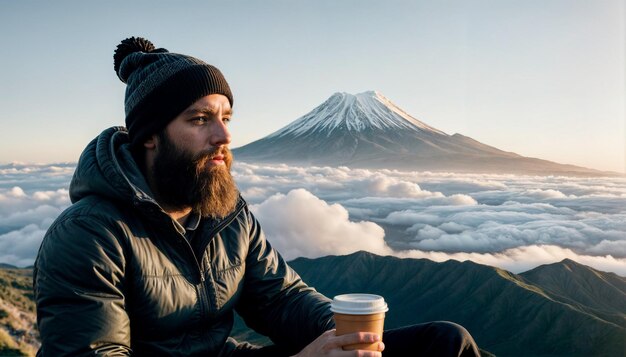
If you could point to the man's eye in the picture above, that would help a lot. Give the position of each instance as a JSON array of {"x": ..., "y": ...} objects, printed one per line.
[
  {"x": 199, "y": 120},
  {"x": 226, "y": 120}
]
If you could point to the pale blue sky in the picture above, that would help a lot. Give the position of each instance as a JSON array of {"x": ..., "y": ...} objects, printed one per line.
[{"x": 543, "y": 78}]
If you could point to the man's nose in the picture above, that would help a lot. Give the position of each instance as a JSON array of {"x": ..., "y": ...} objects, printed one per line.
[{"x": 220, "y": 135}]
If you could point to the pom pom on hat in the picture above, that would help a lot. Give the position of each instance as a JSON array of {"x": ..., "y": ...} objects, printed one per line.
[
  {"x": 161, "y": 84},
  {"x": 128, "y": 46},
  {"x": 132, "y": 45}
]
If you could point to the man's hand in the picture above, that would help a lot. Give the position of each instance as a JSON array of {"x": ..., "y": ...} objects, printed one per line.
[{"x": 329, "y": 344}]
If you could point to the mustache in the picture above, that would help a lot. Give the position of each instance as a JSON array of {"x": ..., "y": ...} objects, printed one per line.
[{"x": 209, "y": 154}]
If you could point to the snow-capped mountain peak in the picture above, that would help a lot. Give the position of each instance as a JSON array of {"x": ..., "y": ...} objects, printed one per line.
[
  {"x": 354, "y": 113},
  {"x": 367, "y": 130}
]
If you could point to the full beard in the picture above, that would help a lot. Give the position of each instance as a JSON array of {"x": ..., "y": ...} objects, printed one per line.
[{"x": 185, "y": 180}]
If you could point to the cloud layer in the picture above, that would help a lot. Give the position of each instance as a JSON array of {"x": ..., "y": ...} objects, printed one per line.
[
  {"x": 513, "y": 222},
  {"x": 31, "y": 197}
]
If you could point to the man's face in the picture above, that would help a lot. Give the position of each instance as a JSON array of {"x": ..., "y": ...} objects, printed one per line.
[
  {"x": 203, "y": 126},
  {"x": 192, "y": 161}
]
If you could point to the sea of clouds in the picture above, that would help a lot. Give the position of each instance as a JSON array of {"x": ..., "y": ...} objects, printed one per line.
[{"x": 508, "y": 221}]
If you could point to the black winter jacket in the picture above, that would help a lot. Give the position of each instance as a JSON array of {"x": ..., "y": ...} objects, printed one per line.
[{"x": 115, "y": 275}]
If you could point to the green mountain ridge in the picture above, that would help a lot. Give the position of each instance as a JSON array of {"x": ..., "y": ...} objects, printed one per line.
[
  {"x": 507, "y": 314},
  {"x": 588, "y": 290}
]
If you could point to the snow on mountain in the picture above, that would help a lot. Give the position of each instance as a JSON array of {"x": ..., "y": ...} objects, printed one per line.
[{"x": 355, "y": 113}]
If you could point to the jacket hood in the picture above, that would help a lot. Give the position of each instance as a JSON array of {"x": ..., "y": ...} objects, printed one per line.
[{"x": 106, "y": 168}]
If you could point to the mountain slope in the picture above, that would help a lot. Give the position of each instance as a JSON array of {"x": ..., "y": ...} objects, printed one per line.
[
  {"x": 367, "y": 130},
  {"x": 586, "y": 289},
  {"x": 506, "y": 314},
  {"x": 18, "y": 336}
]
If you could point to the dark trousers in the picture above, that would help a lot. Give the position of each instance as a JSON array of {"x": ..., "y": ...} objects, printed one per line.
[{"x": 432, "y": 339}]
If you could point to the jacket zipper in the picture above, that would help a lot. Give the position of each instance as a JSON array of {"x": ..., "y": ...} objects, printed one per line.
[
  {"x": 200, "y": 288},
  {"x": 212, "y": 233}
]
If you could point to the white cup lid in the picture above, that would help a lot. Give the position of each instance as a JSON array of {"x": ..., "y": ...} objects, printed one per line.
[{"x": 358, "y": 304}]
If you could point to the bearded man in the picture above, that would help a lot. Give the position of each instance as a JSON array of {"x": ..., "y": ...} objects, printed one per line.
[{"x": 159, "y": 249}]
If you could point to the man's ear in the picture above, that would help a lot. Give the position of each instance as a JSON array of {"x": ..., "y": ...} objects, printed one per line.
[{"x": 151, "y": 142}]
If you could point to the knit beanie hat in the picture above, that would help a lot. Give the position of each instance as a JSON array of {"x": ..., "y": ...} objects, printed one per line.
[{"x": 160, "y": 85}]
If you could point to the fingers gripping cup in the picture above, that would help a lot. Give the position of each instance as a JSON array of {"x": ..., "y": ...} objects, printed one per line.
[{"x": 359, "y": 313}]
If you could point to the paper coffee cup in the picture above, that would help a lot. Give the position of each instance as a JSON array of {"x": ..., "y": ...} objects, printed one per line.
[{"x": 359, "y": 313}]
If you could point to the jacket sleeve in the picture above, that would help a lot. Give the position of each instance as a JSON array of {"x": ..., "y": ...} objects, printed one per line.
[
  {"x": 79, "y": 291},
  {"x": 276, "y": 302}
]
